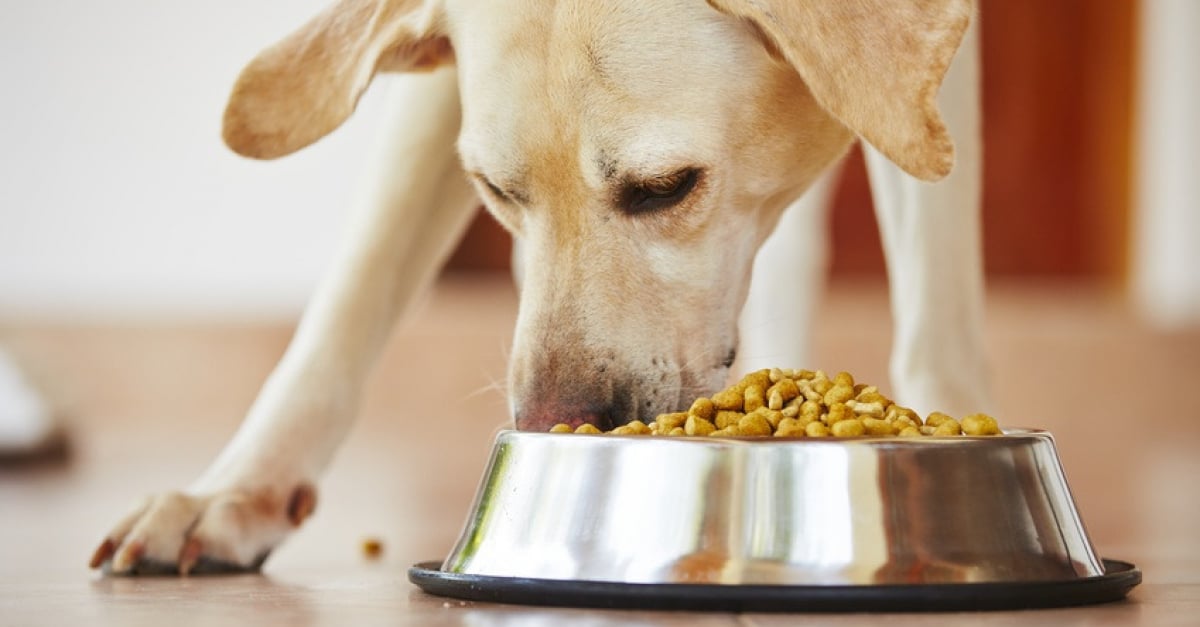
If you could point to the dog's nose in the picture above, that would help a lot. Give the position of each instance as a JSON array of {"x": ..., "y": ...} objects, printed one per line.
[{"x": 539, "y": 418}]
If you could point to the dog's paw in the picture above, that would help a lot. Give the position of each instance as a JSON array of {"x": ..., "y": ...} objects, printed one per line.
[{"x": 223, "y": 532}]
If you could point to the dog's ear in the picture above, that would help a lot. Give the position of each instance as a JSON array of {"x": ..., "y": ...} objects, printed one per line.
[
  {"x": 876, "y": 65},
  {"x": 305, "y": 86}
]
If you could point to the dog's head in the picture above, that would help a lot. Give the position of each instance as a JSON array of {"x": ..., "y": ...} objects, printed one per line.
[{"x": 642, "y": 150}]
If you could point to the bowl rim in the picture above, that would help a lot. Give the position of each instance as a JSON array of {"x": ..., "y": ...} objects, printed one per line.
[{"x": 1010, "y": 434}]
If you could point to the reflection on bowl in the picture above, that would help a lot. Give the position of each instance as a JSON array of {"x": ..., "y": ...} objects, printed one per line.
[{"x": 858, "y": 511}]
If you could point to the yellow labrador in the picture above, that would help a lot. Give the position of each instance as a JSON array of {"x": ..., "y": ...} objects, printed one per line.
[{"x": 642, "y": 151}]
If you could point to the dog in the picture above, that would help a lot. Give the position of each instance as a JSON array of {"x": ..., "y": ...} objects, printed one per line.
[{"x": 641, "y": 152}]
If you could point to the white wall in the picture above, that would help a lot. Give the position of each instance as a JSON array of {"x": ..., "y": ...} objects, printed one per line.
[
  {"x": 117, "y": 197},
  {"x": 1166, "y": 244}
]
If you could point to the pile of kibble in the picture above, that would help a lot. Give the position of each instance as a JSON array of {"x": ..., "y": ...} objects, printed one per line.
[{"x": 795, "y": 404}]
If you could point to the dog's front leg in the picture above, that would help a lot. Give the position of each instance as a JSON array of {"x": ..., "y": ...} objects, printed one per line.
[
  {"x": 931, "y": 237},
  {"x": 775, "y": 328},
  {"x": 417, "y": 202}
]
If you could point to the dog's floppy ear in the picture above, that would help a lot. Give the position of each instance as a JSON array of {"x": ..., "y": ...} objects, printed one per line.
[
  {"x": 305, "y": 86},
  {"x": 876, "y": 65}
]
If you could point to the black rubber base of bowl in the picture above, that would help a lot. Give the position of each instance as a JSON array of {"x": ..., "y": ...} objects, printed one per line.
[{"x": 1118, "y": 580}]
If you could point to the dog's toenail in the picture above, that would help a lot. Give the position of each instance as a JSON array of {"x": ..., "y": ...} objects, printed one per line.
[
  {"x": 127, "y": 559},
  {"x": 189, "y": 554},
  {"x": 103, "y": 553},
  {"x": 301, "y": 504}
]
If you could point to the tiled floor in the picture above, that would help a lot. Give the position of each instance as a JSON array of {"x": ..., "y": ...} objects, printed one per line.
[{"x": 152, "y": 403}]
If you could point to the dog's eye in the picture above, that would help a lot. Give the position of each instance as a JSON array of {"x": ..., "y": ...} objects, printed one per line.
[
  {"x": 491, "y": 187},
  {"x": 659, "y": 192},
  {"x": 499, "y": 193}
]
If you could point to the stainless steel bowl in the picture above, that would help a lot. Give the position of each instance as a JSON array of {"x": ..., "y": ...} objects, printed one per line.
[{"x": 862, "y": 511}]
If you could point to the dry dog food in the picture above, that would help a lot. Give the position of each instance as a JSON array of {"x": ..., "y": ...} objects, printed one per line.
[
  {"x": 799, "y": 404},
  {"x": 372, "y": 548}
]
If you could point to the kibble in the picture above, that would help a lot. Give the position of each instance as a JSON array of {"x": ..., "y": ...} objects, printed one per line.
[
  {"x": 754, "y": 424},
  {"x": 703, "y": 408},
  {"x": 948, "y": 427},
  {"x": 876, "y": 426},
  {"x": 980, "y": 424},
  {"x": 816, "y": 429},
  {"x": 666, "y": 422},
  {"x": 848, "y": 428},
  {"x": 787, "y": 403},
  {"x": 696, "y": 425},
  {"x": 372, "y": 548}
]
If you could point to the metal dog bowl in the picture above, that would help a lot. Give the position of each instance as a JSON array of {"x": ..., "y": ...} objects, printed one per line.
[{"x": 781, "y": 524}]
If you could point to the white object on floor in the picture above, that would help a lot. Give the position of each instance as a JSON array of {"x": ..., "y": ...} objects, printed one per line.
[{"x": 26, "y": 420}]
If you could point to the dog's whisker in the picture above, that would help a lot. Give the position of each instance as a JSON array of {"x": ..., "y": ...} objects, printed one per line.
[
  {"x": 481, "y": 390},
  {"x": 493, "y": 384},
  {"x": 704, "y": 358}
]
